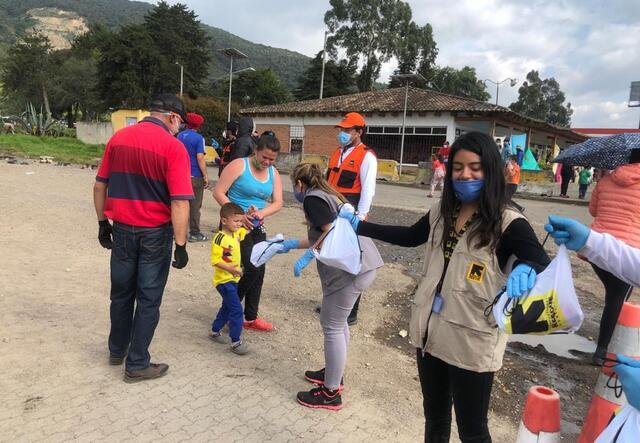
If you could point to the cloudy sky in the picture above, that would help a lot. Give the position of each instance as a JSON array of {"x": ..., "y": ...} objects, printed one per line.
[{"x": 591, "y": 47}]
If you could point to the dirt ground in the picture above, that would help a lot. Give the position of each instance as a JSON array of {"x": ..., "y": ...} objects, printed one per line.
[{"x": 54, "y": 322}]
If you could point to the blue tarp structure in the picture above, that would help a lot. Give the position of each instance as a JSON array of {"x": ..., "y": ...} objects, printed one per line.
[{"x": 529, "y": 163}]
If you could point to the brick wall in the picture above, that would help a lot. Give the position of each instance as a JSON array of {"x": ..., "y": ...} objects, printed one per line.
[
  {"x": 281, "y": 131},
  {"x": 320, "y": 139}
]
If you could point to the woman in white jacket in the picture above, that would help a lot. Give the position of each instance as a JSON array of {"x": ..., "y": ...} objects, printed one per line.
[{"x": 612, "y": 255}]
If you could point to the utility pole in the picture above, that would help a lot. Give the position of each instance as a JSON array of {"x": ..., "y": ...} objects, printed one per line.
[{"x": 324, "y": 58}]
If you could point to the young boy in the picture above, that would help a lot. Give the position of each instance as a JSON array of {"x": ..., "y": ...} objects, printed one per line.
[{"x": 225, "y": 258}]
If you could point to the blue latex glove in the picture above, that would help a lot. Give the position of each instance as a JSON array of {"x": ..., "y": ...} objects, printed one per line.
[
  {"x": 568, "y": 232},
  {"x": 288, "y": 245},
  {"x": 521, "y": 280},
  {"x": 350, "y": 217},
  {"x": 629, "y": 374},
  {"x": 302, "y": 262}
]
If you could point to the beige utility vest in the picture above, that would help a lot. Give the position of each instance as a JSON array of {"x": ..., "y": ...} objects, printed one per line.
[{"x": 460, "y": 334}]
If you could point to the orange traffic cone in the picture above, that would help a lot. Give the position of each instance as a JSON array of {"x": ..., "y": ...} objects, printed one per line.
[
  {"x": 541, "y": 417},
  {"x": 605, "y": 400}
]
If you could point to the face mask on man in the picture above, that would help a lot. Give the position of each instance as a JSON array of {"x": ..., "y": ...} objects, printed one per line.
[
  {"x": 343, "y": 138},
  {"x": 468, "y": 191}
]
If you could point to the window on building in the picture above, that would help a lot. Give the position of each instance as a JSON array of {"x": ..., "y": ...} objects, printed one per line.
[
  {"x": 131, "y": 121},
  {"x": 296, "y": 138},
  {"x": 418, "y": 141}
]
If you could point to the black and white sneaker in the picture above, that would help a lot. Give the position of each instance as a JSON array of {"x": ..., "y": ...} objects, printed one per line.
[
  {"x": 317, "y": 377},
  {"x": 321, "y": 398}
]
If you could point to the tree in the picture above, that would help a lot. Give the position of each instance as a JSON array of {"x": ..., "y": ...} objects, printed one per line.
[
  {"x": 27, "y": 71},
  {"x": 417, "y": 51},
  {"x": 339, "y": 79},
  {"x": 543, "y": 100},
  {"x": 367, "y": 30},
  {"x": 140, "y": 60},
  {"x": 179, "y": 38},
  {"x": 214, "y": 111},
  {"x": 127, "y": 69},
  {"x": 257, "y": 88},
  {"x": 462, "y": 82}
]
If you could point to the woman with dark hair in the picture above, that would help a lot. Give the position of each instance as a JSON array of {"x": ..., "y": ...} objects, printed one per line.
[
  {"x": 254, "y": 184},
  {"x": 474, "y": 240}
]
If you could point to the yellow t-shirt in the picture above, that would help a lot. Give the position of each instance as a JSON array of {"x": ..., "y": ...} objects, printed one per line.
[{"x": 226, "y": 249}]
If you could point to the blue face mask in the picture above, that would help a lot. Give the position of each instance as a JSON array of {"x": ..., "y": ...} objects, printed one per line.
[
  {"x": 468, "y": 191},
  {"x": 299, "y": 195},
  {"x": 343, "y": 138}
]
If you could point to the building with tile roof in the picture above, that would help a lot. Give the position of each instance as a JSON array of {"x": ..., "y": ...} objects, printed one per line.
[{"x": 432, "y": 117}]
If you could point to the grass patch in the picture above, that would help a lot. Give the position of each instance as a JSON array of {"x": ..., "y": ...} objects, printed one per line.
[{"x": 62, "y": 149}]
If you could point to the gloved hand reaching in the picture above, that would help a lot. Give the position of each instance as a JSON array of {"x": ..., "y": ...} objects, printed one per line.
[
  {"x": 288, "y": 245},
  {"x": 347, "y": 213},
  {"x": 521, "y": 280},
  {"x": 629, "y": 374},
  {"x": 104, "y": 234},
  {"x": 302, "y": 262},
  {"x": 568, "y": 232}
]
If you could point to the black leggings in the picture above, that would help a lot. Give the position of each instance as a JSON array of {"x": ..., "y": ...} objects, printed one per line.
[
  {"x": 444, "y": 385},
  {"x": 564, "y": 186},
  {"x": 616, "y": 292},
  {"x": 250, "y": 284}
]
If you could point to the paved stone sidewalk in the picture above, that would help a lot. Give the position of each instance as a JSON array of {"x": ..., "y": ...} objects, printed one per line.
[{"x": 56, "y": 384}]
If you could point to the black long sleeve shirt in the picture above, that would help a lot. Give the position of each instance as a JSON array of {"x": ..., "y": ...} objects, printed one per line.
[{"x": 518, "y": 239}]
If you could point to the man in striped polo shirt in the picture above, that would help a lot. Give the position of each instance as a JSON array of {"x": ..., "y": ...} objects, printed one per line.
[{"x": 144, "y": 186}]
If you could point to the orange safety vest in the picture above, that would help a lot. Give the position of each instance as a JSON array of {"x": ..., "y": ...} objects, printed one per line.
[{"x": 346, "y": 178}]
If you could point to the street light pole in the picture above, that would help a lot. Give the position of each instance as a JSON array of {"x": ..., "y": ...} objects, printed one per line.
[
  {"x": 230, "y": 84},
  {"x": 181, "y": 77},
  {"x": 404, "y": 120},
  {"x": 512, "y": 83},
  {"x": 231, "y": 53},
  {"x": 324, "y": 58},
  {"x": 406, "y": 78}
]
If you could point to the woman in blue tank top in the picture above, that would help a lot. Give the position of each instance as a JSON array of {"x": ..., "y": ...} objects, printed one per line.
[{"x": 254, "y": 184}]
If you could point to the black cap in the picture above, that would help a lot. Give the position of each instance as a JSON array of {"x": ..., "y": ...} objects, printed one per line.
[{"x": 168, "y": 103}]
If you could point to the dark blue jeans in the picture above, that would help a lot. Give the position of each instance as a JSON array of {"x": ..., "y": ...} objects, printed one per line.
[
  {"x": 140, "y": 261},
  {"x": 230, "y": 311}
]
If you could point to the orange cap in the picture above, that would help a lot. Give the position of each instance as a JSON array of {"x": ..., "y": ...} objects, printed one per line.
[{"x": 351, "y": 120}]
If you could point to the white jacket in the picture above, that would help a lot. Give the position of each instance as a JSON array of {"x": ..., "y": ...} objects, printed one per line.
[{"x": 613, "y": 255}]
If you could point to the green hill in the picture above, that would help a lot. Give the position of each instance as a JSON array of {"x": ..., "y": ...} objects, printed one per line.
[{"x": 14, "y": 20}]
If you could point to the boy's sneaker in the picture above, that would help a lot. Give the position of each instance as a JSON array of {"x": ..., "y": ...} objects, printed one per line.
[
  {"x": 218, "y": 338},
  {"x": 321, "y": 398},
  {"x": 259, "y": 324},
  {"x": 317, "y": 377},
  {"x": 239, "y": 348},
  {"x": 197, "y": 237}
]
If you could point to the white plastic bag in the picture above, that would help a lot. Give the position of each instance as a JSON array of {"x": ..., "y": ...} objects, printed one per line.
[
  {"x": 263, "y": 251},
  {"x": 550, "y": 307},
  {"x": 624, "y": 428},
  {"x": 341, "y": 248}
]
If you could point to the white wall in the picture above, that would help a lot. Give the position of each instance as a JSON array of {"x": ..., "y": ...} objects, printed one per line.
[
  {"x": 444, "y": 119},
  {"x": 97, "y": 133}
]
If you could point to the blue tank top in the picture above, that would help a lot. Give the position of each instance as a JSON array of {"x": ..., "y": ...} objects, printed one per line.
[{"x": 248, "y": 191}]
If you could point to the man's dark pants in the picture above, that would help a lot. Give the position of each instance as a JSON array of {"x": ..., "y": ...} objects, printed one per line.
[
  {"x": 197, "y": 183},
  {"x": 140, "y": 261}
]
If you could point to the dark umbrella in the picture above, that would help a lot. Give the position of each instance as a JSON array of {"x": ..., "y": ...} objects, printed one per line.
[{"x": 603, "y": 152}]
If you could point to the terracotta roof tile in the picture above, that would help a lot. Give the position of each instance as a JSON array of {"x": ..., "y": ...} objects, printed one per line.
[{"x": 385, "y": 100}]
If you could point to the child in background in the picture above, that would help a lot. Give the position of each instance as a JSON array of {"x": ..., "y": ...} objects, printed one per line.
[
  {"x": 438, "y": 168},
  {"x": 584, "y": 179},
  {"x": 225, "y": 258}
]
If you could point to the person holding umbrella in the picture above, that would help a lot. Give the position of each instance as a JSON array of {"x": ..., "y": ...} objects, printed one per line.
[{"x": 615, "y": 207}]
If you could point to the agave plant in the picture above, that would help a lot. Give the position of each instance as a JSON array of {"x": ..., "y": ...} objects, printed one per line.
[{"x": 36, "y": 123}]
